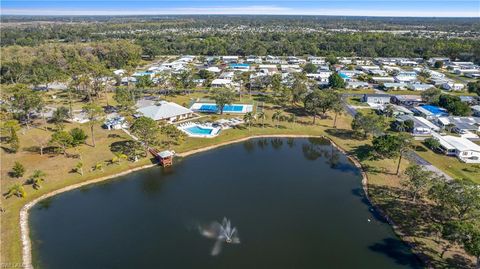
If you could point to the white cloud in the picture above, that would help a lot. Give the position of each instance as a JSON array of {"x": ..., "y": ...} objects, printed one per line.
[{"x": 246, "y": 10}]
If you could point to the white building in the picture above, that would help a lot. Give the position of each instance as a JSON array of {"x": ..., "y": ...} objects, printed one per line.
[
  {"x": 230, "y": 59},
  {"x": 357, "y": 84},
  {"x": 464, "y": 149},
  {"x": 450, "y": 86},
  {"x": 164, "y": 110},
  {"x": 222, "y": 83}
]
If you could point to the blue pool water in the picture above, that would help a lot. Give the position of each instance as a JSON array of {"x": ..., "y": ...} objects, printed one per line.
[
  {"x": 199, "y": 130},
  {"x": 435, "y": 110},
  {"x": 227, "y": 108},
  {"x": 342, "y": 75}
]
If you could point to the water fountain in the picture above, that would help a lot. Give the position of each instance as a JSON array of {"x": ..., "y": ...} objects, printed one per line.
[{"x": 221, "y": 232}]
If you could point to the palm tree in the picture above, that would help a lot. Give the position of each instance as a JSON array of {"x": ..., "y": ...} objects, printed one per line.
[
  {"x": 276, "y": 117},
  {"x": 94, "y": 115},
  {"x": 248, "y": 118},
  {"x": 16, "y": 190},
  {"x": 36, "y": 178},
  {"x": 98, "y": 166},
  {"x": 261, "y": 115},
  {"x": 292, "y": 118},
  {"x": 79, "y": 168}
]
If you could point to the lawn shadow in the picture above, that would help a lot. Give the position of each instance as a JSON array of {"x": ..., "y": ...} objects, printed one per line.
[
  {"x": 342, "y": 133},
  {"x": 397, "y": 251}
]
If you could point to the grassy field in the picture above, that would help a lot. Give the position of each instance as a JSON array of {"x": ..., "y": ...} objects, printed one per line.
[{"x": 383, "y": 183}]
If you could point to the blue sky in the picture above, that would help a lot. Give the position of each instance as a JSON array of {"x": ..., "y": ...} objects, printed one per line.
[{"x": 408, "y": 8}]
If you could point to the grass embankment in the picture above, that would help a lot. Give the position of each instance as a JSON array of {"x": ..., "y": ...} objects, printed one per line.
[{"x": 384, "y": 185}]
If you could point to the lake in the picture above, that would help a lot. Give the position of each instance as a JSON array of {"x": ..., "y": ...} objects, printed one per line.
[{"x": 296, "y": 203}]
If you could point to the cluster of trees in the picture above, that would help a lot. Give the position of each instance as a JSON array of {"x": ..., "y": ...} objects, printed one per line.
[
  {"x": 18, "y": 171},
  {"x": 287, "y": 36},
  {"x": 452, "y": 206},
  {"x": 49, "y": 62},
  {"x": 292, "y": 43}
]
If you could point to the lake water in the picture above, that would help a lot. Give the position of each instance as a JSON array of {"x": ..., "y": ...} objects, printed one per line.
[{"x": 297, "y": 203}]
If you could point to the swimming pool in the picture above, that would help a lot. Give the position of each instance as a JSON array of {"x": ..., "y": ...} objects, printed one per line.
[
  {"x": 213, "y": 108},
  {"x": 435, "y": 110},
  {"x": 197, "y": 130},
  {"x": 344, "y": 76},
  {"x": 227, "y": 108}
]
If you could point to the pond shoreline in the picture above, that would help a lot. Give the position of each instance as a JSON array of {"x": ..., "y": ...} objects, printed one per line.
[{"x": 24, "y": 225}]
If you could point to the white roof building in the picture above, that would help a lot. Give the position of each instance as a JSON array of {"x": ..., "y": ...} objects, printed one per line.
[
  {"x": 165, "y": 111},
  {"x": 465, "y": 150},
  {"x": 221, "y": 82}
]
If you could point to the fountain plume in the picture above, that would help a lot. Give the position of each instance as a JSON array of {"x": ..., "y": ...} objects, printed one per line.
[{"x": 222, "y": 233}]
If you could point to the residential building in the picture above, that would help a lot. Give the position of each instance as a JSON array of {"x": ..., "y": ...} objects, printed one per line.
[
  {"x": 357, "y": 84},
  {"x": 419, "y": 86},
  {"x": 421, "y": 126},
  {"x": 450, "y": 86},
  {"x": 376, "y": 98},
  {"x": 407, "y": 100},
  {"x": 464, "y": 149}
]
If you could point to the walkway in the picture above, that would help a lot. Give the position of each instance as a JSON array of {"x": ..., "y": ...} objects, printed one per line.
[{"x": 412, "y": 155}]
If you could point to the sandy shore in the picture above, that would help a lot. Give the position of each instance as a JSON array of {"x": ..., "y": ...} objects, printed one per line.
[{"x": 24, "y": 227}]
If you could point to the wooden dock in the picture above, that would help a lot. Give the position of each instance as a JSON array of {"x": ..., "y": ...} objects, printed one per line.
[{"x": 165, "y": 158}]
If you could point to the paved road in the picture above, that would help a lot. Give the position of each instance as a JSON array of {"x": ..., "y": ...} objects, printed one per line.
[{"x": 425, "y": 164}]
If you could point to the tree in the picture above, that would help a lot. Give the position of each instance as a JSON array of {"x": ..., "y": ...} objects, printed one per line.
[
  {"x": 438, "y": 64},
  {"x": 432, "y": 143},
  {"x": 172, "y": 134},
  {"x": 18, "y": 170},
  {"x": 26, "y": 102},
  {"x": 331, "y": 59},
  {"x": 431, "y": 96},
  {"x": 249, "y": 118},
  {"x": 78, "y": 136},
  {"x": 369, "y": 123},
  {"x": 466, "y": 234},
  {"x": 13, "y": 140},
  {"x": 336, "y": 81},
  {"x": 299, "y": 87},
  {"x": 147, "y": 131},
  {"x": 474, "y": 87},
  {"x": 454, "y": 105},
  {"x": 207, "y": 76},
  {"x": 292, "y": 118},
  {"x": 261, "y": 115},
  {"x": 79, "y": 168},
  {"x": 98, "y": 166},
  {"x": 124, "y": 98},
  {"x": 35, "y": 179},
  {"x": 390, "y": 146},
  {"x": 320, "y": 101},
  {"x": 16, "y": 190},
  {"x": 277, "y": 115},
  {"x": 223, "y": 97},
  {"x": 456, "y": 200},
  {"x": 60, "y": 115},
  {"x": 94, "y": 115},
  {"x": 144, "y": 82},
  {"x": 62, "y": 139},
  {"x": 309, "y": 68},
  {"x": 418, "y": 181}
]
